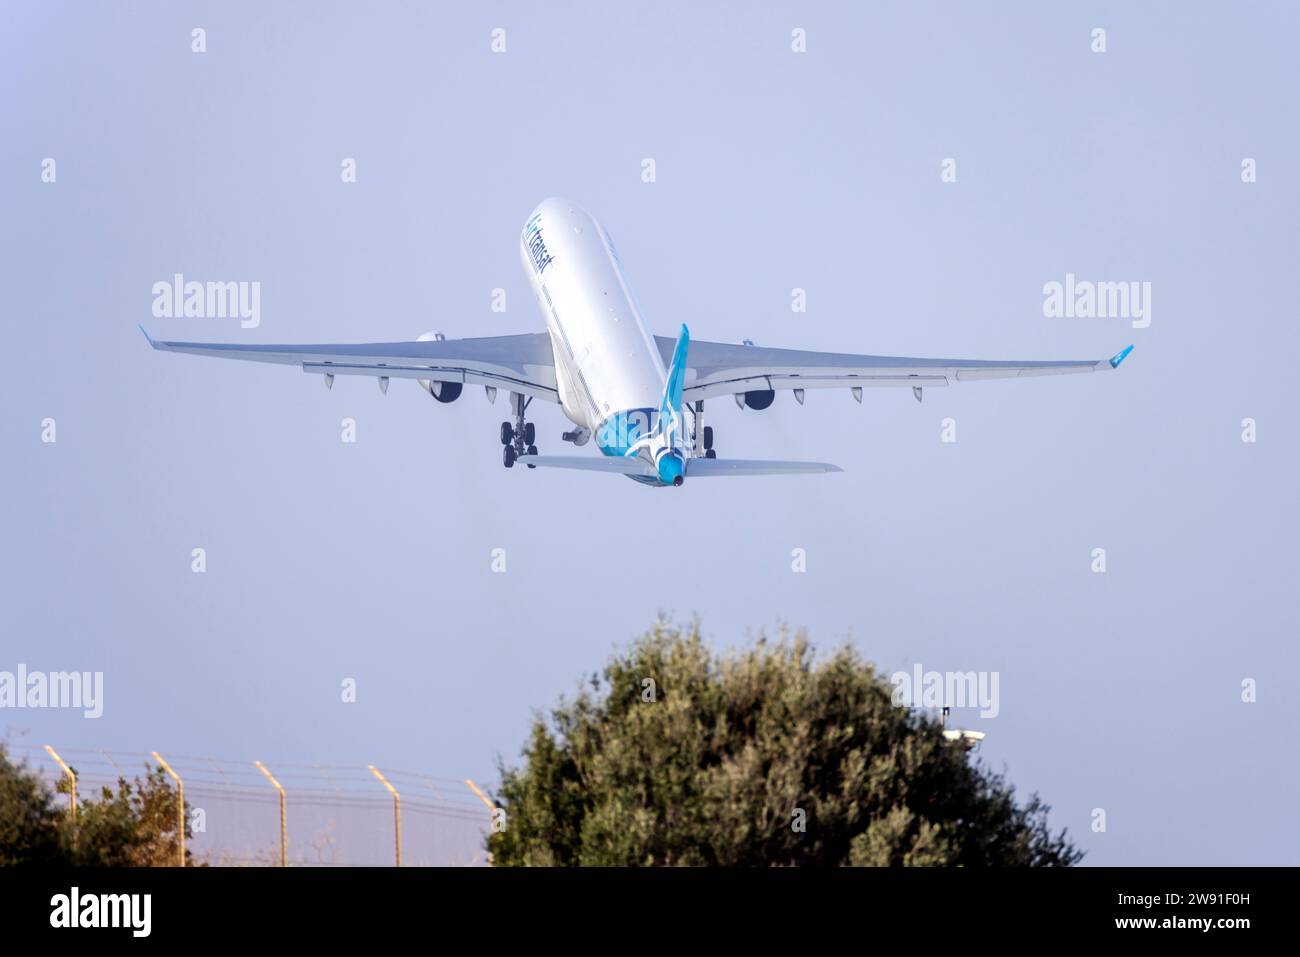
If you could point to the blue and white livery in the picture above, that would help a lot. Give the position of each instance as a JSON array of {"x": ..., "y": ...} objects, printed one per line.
[{"x": 640, "y": 396}]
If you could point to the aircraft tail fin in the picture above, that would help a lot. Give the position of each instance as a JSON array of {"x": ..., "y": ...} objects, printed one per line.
[{"x": 670, "y": 406}]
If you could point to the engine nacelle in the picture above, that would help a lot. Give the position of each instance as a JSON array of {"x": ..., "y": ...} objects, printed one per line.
[
  {"x": 442, "y": 391},
  {"x": 757, "y": 400}
]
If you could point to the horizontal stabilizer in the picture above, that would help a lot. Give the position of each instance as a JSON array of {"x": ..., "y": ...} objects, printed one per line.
[
  {"x": 701, "y": 468},
  {"x": 616, "y": 464}
]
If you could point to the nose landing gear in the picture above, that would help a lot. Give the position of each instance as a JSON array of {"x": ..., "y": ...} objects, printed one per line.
[{"x": 518, "y": 438}]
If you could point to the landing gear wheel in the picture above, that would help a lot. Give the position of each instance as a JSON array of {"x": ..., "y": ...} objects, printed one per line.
[
  {"x": 517, "y": 437},
  {"x": 710, "y": 454},
  {"x": 708, "y": 437}
]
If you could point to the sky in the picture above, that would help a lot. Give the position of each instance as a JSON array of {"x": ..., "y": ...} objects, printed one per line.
[{"x": 1120, "y": 691}]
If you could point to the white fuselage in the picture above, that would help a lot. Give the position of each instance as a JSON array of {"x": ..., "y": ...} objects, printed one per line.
[{"x": 607, "y": 366}]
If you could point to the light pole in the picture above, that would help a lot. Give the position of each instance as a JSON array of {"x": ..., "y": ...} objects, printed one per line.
[
  {"x": 180, "y": 806},
  {"x": 284, "y": 826},
  {"x": 72, "y": 781},
  {"x": 397, "y": 810}
]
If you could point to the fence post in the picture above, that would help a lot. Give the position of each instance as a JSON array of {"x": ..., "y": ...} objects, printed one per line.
[
  {"x": 180, "y": 805},
  {"x": 72, "y": 779},
  {"x": 481, "y": 796},
  {"x": 397, "y": 810},
  {"x": 492, "y": 808},
  {"x": 284, "y": 827}
]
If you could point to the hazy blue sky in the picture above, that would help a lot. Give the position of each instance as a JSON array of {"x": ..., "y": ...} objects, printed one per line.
[{"x": 775, "y": 170}]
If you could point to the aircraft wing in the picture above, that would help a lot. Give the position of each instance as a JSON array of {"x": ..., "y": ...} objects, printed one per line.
[
  {"x": 719, "y": 368},
  {"x": 523, "y": 364}
]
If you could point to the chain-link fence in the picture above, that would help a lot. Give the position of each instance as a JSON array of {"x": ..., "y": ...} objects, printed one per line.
[{"x": 331, "y": 815}]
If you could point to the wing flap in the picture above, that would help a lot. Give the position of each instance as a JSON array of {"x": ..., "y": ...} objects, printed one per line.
[
  {"x": 776, "y": 381},
  {"x": 718, "y": 368},
  {"x": 523, "y": 364}
]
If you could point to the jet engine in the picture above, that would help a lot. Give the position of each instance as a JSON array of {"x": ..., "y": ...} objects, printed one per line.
[
  {"x": 442, "y": 391},
  {"x": 757, "y": 400}
]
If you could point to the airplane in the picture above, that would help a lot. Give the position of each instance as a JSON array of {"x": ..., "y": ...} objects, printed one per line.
[{"x": 612, "y": 378}]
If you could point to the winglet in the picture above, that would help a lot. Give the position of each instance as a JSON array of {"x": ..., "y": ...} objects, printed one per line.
[
  {"x": 147, "y": 338},
  {"x": 1120, "y": 356}
]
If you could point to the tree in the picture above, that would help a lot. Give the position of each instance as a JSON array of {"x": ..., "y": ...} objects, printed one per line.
[
  {"x": 30, "y": 825},
  {"x": 768, "y": 757},
  {"x": 134, "y": 825}
]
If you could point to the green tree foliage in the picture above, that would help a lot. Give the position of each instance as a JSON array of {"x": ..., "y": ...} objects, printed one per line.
[
  {"x": 132, "y": 826},
  {"x": 31, "y": 827},
  {"x": 767, "y": 757}
]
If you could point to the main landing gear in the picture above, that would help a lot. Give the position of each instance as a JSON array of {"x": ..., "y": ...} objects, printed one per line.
[
  {"x": 703, "y": 434},
  {"x": 518, "y": 438}
]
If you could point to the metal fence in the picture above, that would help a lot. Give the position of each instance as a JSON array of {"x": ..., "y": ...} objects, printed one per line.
[{"x": 252, "y": 813}]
